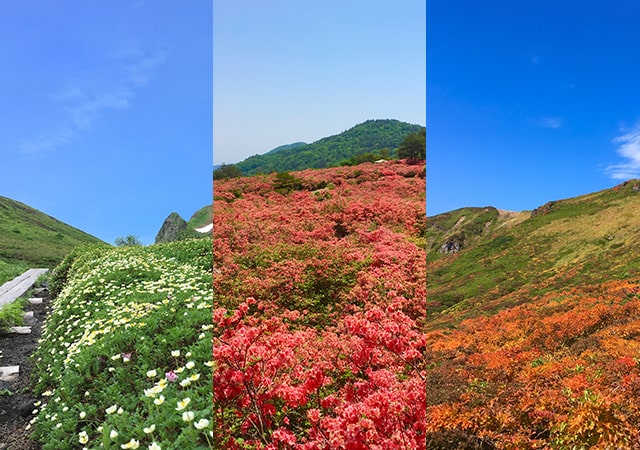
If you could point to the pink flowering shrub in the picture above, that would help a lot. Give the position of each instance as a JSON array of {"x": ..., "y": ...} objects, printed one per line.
[{"x": 318, "y": 299}]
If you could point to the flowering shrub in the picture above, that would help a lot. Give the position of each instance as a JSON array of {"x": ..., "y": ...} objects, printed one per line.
[
  {"x": 560, "y": 371},
  {"x": 319, "y": 293},
  {"x": 125, "y": 356}
]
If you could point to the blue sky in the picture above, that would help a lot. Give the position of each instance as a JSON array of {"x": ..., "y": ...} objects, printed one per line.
[
  {"x": 289, "y": 70},
  {"x": 529, "y": 102},
  {"x": 106, "y": 111}
]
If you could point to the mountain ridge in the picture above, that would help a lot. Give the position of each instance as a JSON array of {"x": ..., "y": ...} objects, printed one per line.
[{"x": 370, "y": 136}]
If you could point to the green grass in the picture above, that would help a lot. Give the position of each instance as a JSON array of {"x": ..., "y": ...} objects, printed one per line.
[
  {"x": 10, "y": 270},
  {"x": 12, "y": 314},
  {"x": 28, "y": 236}
]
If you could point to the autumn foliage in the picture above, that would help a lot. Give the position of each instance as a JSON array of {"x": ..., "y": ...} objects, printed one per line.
[
  {"x": 559, "y": 371},
  {"x": 319, "y": 304}
]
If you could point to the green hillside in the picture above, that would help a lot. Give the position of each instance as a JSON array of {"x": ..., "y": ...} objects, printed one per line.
[
  {"x": 368, "y": 137},
  {"x": 587, "y": 239},
  {"x": 201, "y": 217},
  {"x": 29, "y": 237}
]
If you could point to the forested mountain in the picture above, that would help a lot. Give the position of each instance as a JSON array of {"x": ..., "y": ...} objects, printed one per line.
[
  {"x": 532, "y": 324},
  {"x": 368, "y": 137}
]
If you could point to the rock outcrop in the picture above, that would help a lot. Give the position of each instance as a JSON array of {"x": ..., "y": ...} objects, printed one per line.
[{"x": 171, "y": 229}]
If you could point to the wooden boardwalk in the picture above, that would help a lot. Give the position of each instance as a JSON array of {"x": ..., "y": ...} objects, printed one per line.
[{"x": 13, "y": 289}]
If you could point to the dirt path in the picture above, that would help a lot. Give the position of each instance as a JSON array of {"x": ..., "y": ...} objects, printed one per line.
[{"x": 16, "y": 399}]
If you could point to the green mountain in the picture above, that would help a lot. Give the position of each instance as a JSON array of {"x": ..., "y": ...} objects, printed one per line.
[
  {"x": 28, "y": 236},
  {"x": 286, "y": 147},
  {"x": 368, "y": 137},
  {"x": 479, "y": 255}
]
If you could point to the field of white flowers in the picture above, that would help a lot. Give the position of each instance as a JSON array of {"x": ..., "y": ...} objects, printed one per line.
[{"x": 125, "y": 357}]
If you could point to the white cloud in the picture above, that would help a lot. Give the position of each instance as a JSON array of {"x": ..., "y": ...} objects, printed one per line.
[
  {"x": 82, "y": 104},
  {"x": 629, "y": 148},
  {"x": 549, "y": 122},
  {"x": 47, "y": 141}
]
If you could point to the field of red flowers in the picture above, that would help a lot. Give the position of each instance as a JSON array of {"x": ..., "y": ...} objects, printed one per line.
[{"x": 319, "y": 303}]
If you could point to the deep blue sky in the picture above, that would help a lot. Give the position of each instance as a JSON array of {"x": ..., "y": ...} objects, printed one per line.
[
  {"x": 291, "y": 70},
  {"x": 530, "y": 101},
  {"x": 106, "y": 111}
]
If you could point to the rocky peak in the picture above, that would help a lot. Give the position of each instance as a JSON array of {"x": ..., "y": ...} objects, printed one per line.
[{"x": 171, "y": 229}]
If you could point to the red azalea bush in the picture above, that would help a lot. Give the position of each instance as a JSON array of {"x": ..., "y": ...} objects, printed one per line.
[{"x": 319, "y": 296}]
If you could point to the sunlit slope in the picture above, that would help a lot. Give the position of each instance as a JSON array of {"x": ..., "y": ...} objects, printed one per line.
[
  {"x": 532, "y": 330},
  {"x": 31, "y": 237},
  {"x": 590, "y": 238}
]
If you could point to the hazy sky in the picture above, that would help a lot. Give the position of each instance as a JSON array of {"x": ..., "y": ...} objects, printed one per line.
[
  {"x": 530, "y": 101},
  {"x": 289, "y": 70},
  {"x": 106, "y": 111}
]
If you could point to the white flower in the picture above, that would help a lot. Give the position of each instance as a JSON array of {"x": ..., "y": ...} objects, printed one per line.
[
  {"x": 175, "y": 353},
  {"x": 149, "y": 429},
  {"x": 131, "y": 444},
  {"x": 83, "y": 415},
  {"x": 83, "y": 437},
  {"x": 190, "y": 365},
  {"x": 113, "y": 434},
  {"x": 188, "y": 416},
  {"x": 154, "y": 446},
  {"x": 202, "y": 423},
  {"x": 153, "y": 391},
  {"x": 159, "y": 400},
  {"x": 182, "y": 404},
  {"x": 151, "y": 373},
  {"x": 111, "y": 409}
]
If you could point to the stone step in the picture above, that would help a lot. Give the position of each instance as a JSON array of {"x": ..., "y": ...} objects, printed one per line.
[
  {"x": 28, "y": 314},
  {"x": 20, "y": 330},
  {"x": 35, "y": 301},
  {"x": 9, "y": 373}
]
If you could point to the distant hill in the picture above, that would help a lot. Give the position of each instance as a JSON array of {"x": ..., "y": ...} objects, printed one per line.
[
  {"x": 368, "y": 137},
  {"x": 31, "y": 237},
  {"x": 286, "y": 147}
]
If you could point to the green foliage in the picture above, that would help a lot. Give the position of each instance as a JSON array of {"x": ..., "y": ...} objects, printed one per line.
[
  {"x": 284, "y": 183},
  {"x": 226, "y": 171},
  {"x": 128, "y": 241},
  {"x": 371, "y": 136},
  {"x": 12, "y": 314},
  {"x": 414, "y": 147},
  {"x": 28, "y": 236},
  {"x": 366, "y": 157}
]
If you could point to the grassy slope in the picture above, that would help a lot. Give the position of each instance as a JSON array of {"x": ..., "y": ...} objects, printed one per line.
[
  {"x": 532, "y": 327},
  {"x": 201, "y": 217},
  {"x": 28, "y": 236},
  {"x": 590, "y": 238}
]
